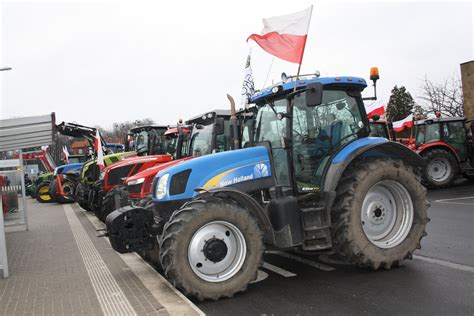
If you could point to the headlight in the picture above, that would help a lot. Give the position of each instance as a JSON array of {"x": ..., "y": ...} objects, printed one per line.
[
  {"x": 161, "y": 187},
  {"x": 102, "y": 175},
  {"x": 137, "y": 181}
]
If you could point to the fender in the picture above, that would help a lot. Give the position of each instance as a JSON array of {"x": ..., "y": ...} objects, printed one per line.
[
  {"x": 423, "y": 148},
  {"x": 367, "y": 147},
  {"x": 247, "y": 202}
]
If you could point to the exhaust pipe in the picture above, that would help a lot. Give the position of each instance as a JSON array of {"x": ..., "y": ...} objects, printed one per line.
[{"x": 233, "y": 122}]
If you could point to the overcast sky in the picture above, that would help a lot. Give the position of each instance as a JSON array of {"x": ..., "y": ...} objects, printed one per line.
[{"x": 102, "y": 62}]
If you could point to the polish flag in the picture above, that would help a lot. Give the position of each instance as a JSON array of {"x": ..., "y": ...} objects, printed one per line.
[
  {"x": 399, "y": 126},
  {"x": 375, "y": 108},
  {"x": 98, "y": 150},
  {"x": 285, "y": 36},
  {"x": 66, "y": 154}
]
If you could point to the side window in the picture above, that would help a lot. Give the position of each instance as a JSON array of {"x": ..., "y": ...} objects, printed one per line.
[
  {"x": 455, "y": 135},
  {"x": 223, "y": 142},
  {"x": 269, "y": 128},
  {"x": 432, "y": 133}
]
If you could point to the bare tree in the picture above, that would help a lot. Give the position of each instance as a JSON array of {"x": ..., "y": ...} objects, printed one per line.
[{"x": 445, "y": 97}]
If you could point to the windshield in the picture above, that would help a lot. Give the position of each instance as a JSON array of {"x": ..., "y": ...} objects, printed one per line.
[
  {"x": 201, "y": 140},
  {"x": 141, "y": 142},
  {"x": 427, "y": 133}
]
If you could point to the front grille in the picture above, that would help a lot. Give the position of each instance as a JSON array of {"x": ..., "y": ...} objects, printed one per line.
[
  {"x": 115, "y": 175},
  {"x": 135, "y": 188},
  {"x": 179, "y": 181}
]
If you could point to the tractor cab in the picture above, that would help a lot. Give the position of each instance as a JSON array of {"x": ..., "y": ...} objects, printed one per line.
[
  {"x": 306, "y": 127},
  {"x": 445, "y": 145},
  {"x": 147, "y": 140}
]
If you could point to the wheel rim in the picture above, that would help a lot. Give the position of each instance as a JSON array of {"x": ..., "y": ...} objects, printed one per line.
[
  {"x": 68, "y": 190},
  {"x": 43, "y": 193},
  {"x": 387, "y": 214},
  {"x": 439, "y": 169},
  {"x": 217, "y": 251}
]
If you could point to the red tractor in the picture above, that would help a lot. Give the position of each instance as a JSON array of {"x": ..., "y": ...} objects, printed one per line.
[
  {"x": 446, "y": 147},
  {"x": 155, "y": 145}
]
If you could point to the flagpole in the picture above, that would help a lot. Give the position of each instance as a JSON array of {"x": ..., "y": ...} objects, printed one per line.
[
  {"x": 304, "y": 47},
  {"x": 268, "y": 73}
]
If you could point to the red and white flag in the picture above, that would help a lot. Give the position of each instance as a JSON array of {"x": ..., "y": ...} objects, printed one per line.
[
  {"x": 399, "y": 126},
  {"x": 285, "y": 36},
  {"x": 66, "y": 154},
  {"x": 98, "y": 150},
  {"x": 375, "y": 108}
]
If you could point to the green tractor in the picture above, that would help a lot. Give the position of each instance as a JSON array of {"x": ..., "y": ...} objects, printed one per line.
[{"x": 308, "y": 177}]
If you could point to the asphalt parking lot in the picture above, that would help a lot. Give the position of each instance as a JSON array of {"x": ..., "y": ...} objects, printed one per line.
[{"x": 439, "y": 279}]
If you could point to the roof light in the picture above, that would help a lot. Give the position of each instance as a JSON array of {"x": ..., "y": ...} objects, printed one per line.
[
  {"x": 349, "y": 79},
  {"x": 338, "y": 79},
  {"x": 374, "y": 73}
]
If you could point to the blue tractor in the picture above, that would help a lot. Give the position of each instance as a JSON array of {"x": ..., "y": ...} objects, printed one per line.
[{"x": 308, "y": 176}]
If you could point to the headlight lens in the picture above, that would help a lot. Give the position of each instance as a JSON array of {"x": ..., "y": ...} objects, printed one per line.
[
  {"x": 161, "y": 187},
  {"x": 137, "y": 181},
  {"x": 102, "y": 175}
]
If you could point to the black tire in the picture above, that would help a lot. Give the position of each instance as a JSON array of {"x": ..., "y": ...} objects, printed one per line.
[
  {"x": 152, "y": 256},
  {"x": 80, "y": 196},
  {"x": 53, "y": 190},
  {"x": 470, "y": 177},
  {"x": 109, "y": 202},
  {"x": 349, "y": 238},
  {"x": 42, "y": 193},
  {"x": 95, "y": 200},
  {"x": 445, "y": 157},
  {"x": 178, "y": 233}
]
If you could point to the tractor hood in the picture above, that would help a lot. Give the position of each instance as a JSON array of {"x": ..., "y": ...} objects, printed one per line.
[
  {"x": 151, "y": 172},
  {"x": 72, "y": 168},
  {"x": 244, "y": 168},
  {"x": 139, "y": 160}
]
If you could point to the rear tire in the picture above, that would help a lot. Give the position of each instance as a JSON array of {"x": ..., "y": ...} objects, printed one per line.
[
  {"x": 380, "y": 213},
  {"x": 109, "y": 201},
  {"x": 441, "y": 169},
  {"x": 43, "y": 195},
  {"x": 211, "y": 249}
]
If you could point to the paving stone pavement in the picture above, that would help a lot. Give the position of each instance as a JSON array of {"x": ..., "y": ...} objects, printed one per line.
[{"x": 48, "y": 275}]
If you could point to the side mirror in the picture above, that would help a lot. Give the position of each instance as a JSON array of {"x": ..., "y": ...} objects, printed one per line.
[
  {"x": 314, "y": 94},
  {"x": 219, "y": 126}
]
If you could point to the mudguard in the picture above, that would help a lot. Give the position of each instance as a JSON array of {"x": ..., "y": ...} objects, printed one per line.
[{"x": 364, "y": 148}]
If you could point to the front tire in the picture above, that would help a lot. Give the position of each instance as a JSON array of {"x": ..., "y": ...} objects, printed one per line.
[
  {"x": 440, "y": 170},
  {"x": 109, "y": 202},
  {"x": 43, "y": 195},
  {"x": 380, "y": 213},
  {"x": 211, "y": 248}
]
